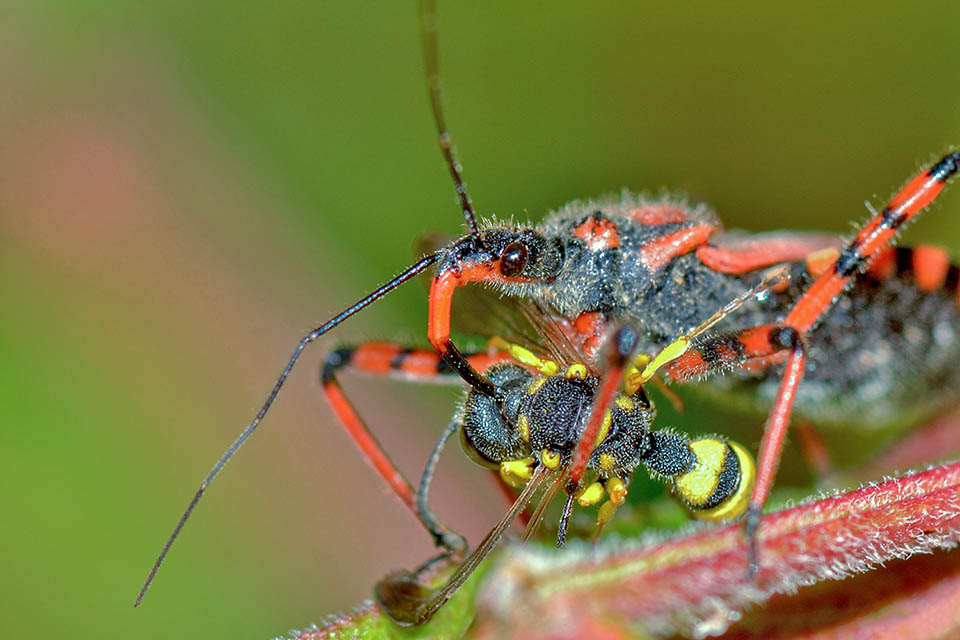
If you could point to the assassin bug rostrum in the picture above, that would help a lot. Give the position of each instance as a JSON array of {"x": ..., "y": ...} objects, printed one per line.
[{"x": 788, "y": 250}]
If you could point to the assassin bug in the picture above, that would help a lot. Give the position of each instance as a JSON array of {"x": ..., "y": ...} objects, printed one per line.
[{"x": 681, "y": 272}]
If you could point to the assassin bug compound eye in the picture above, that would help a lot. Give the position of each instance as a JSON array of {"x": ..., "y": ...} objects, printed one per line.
[{"x": 513, "y": 259}]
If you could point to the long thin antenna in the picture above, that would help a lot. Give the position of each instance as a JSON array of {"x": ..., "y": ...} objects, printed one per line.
[
  {"x": 428, "y": 24},
  {"x": 381, "y": 291}
]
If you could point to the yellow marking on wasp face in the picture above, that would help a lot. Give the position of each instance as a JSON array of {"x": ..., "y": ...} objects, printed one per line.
[
  {"x": 697, "y": 485},
  {"x": 576, "y": 371},
  {"x": 516, "y": 472},
  {"x": 535, "y": 385},
  {"x": 617, "y": 490},
  {"x": 591, "y": 495},
  {"x": 606, "y": 461},
  {"x": 550, "y": 459},
  {"x": 526, "y": 357},
  {"x": 737, "y": 503},
  {"x": 625, "y": 403},
  {"x": 604, "y": 427},
  {"x": 524, "y": 426}
]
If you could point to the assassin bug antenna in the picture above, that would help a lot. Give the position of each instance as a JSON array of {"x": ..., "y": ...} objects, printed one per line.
[
  {"x": 458, "y": 362},
  {"x": 361, "y": 304},
  {"x": 428, "y": 19}
]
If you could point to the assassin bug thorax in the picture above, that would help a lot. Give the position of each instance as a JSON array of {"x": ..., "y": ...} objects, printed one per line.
[{"x": 633, "y": 291}]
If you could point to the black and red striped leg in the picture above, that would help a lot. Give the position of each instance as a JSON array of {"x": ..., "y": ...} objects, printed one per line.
[
  {"x": 871, "y": 240},
  {"x": 713, "y": 354},
  {"x": 380, "y": 358}
]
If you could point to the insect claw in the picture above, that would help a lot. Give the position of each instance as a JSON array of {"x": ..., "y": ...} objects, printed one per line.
[
  {"x": 572, "y": 489},
  {"x": 401, "y": 596}
]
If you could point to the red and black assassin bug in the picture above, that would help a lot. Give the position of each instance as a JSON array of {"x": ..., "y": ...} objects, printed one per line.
[{"x": 625, "y": 291}]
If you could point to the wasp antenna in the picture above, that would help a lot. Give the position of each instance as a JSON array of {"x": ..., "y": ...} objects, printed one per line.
[
  {"x": 380, "y": 292},
  {"x": 428, "y": 23}
]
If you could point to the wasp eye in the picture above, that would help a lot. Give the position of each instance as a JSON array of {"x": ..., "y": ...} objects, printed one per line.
[{"x": 513, "y": 259}]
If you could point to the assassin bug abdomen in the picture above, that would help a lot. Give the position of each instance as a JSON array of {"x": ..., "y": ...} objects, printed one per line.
[{"x": 887, "y": 351}]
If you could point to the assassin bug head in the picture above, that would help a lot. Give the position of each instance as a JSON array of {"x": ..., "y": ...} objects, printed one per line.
[
  {"x": 494, "y": 256},
  {"x": 501, "y": 255}
]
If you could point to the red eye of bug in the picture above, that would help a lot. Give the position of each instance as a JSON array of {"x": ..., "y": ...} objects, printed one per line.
[{"x": 513, "y": 259}]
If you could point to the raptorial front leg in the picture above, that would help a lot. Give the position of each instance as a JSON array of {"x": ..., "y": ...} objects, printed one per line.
[{"x": 418, "y": 365}]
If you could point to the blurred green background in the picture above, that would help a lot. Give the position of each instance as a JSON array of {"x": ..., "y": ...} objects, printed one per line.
[{"x": 188, "y": 187}]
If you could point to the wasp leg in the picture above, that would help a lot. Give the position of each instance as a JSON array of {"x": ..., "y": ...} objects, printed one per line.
[
  {"x": 408, "y": 602},
  {"x": 454, "y": 544},
  {"x": 412, "y": 364}
]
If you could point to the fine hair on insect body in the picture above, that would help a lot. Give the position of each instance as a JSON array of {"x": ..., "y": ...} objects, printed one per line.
[{"x": 622, "y": 292}]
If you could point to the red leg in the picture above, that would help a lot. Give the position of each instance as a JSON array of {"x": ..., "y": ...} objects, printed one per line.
[
  {"x": 384, "y": 358},
  {"x": 621, "y": 346},
  {"x": 761, "y": 251},
  {"x": 871, "y": 241},
  {"x": 764, "y": 345},
  {"x": 869, "y": 244},
  {"x": 813, "y": 448},
  {"x": 775, "y": 432}
]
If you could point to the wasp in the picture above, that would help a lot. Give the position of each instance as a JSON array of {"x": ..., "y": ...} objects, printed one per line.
[{"x": 629, "y": 291}]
